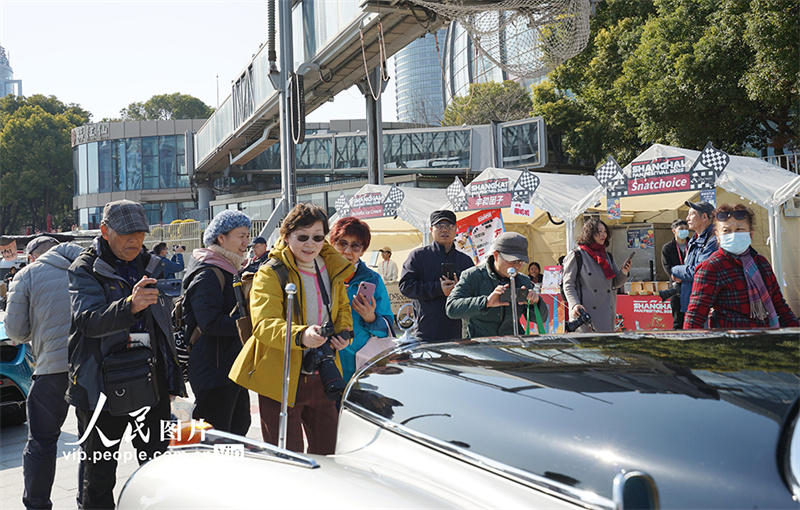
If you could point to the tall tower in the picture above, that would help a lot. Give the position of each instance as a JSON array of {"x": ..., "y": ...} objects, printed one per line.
[
  {"x": 418, "y": 88},
  {"x": 7, "y": 80}
]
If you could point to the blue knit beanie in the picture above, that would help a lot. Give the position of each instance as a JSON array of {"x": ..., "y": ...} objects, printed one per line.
[{"x": 223, "y": 223}]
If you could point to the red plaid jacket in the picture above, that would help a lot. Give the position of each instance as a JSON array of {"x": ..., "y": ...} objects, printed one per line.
[{"x": 720, "y": 283}]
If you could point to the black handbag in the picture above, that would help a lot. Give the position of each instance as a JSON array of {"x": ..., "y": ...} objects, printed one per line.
[{"x": 129, "y": 375}]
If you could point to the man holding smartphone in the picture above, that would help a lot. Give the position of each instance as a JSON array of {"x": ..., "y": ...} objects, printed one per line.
[
  {"x": 483, "y": 296},
  {"x": 429, "y": 275}
]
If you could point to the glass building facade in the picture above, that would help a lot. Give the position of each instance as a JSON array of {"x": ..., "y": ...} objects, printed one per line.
[
  {"x": 418, "y": 85},
  {"x": 141, "y": 161}
]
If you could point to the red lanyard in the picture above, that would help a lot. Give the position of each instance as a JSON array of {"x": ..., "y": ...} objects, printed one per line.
[{"x": 680, "y": 256}]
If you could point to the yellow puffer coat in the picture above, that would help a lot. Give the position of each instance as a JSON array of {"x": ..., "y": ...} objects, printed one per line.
[{"x": 259, "y": 366}]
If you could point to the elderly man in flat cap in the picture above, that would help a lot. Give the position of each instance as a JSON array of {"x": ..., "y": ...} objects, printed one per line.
[
  {"x": 117, "y": 317},
  {"x": 428, "y": 277},
  {"x": 482, "y": 295}
]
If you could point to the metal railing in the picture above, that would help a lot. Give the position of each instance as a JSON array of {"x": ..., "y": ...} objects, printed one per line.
[{"x": 790, "y": 162}]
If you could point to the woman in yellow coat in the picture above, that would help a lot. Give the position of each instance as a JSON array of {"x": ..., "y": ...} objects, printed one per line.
[{"x": 319, "y": 273}]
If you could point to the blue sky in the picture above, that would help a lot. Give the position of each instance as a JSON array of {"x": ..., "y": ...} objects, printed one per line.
[{"x": 107, "y": 54}]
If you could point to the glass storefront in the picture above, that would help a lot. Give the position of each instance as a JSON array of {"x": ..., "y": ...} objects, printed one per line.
[{"x": 151, "y": 162}]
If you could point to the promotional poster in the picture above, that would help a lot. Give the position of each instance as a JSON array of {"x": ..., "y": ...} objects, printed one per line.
[{"x": 476, "y": 232}]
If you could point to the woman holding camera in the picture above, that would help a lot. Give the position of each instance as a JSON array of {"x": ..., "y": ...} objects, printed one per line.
[
  {"x": 208, "y": 303},
  {"x": 305, "y": 259},
  {"x": 593, "y": 289},
  {"x": 371, "y": 317}
]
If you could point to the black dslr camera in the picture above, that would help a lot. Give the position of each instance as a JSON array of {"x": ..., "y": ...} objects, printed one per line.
[
  {"x": 666, "y": 295},
  {"x": 583, "y": 318},
  {"x": 323, "y": 359}
]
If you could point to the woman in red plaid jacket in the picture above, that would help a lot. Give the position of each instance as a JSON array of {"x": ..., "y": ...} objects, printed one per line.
[{"x": 736, "y": 281}]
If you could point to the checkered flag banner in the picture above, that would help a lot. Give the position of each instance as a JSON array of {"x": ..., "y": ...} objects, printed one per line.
[
  {"x": 696, "y": 182},
  {"x": 525, "y": 187},
  {"x": 610, "y": 175},
  {"x": 342, "y": 205},
  {"x": 457, "y": 195},
  {"x": 710, "y": 164},
  {"x": 393, "y": 201}
]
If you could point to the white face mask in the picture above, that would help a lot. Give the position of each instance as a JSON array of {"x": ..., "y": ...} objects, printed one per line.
[
  {"x": 735, "y": 243},
  {"x": 683, "y": 234}
]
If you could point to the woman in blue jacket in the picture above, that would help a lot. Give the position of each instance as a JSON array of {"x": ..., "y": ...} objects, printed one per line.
[{"x": 351, "y": 236}]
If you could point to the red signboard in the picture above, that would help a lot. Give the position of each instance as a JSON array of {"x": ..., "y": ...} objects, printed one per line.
[
  {"x": 644, "y": 312},
  {"x": 668, "y": 184}
]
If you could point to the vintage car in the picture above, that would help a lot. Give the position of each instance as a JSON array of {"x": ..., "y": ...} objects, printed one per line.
[
  {"x": 16, "y": 370},
  {"x": 605, "y": 421}
]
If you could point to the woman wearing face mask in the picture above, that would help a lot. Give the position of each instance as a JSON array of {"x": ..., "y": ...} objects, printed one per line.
[
  {"x": 673, "y": 253},
  {"x": 319, "y": 273},
  {"x": 736, "y": 281}
]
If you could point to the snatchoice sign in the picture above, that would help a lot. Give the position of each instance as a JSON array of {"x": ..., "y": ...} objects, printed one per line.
[{"x": 662, "y": 175}]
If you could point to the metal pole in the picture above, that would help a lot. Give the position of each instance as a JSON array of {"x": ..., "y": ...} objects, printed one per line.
[
  {"x": 374, "y": 129},
  {"x": 288, "y": 177},
  {"x": 511, "y": 274},
  {"x": 291, "y": 290}
]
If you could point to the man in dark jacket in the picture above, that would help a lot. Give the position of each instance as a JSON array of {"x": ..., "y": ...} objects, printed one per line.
[
  {"x": 171, "y": 265},
  {"x": 673, "y": 253},
  {"x": 112, "y": 310},
  {"x": 698, "y": 249},
  {"x": 260, "y": 255},
  {"x": 423, "y": 281},
  {"x": 477, "y": 296}
]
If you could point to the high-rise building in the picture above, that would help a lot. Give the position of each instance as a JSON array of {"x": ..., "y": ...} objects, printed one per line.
[
  {"x": 418, "y": 75},
  {"x": 7, "y": 81}
]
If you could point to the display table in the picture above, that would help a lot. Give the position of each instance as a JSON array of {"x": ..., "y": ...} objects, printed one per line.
[{"x": 638, "y": 313}]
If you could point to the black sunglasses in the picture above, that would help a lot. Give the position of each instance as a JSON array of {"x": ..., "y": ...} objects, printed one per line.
[
  {"x": 305, "y": 237},
  {"x": 738, "y": 214}
]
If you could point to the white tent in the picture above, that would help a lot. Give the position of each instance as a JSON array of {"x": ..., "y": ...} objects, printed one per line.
[
  {"x": 754, "y": 179},
  {"x": 417, "y": 204},
  {"x": 562, "y": 195}
]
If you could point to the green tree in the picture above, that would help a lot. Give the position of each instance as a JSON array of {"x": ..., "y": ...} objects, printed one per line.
[
  {"x": 167, "y": 107},
  {"x": 679, "y": 72},
  {"x": 487, "y": 102},
  {"x": 36, "y": 174}
]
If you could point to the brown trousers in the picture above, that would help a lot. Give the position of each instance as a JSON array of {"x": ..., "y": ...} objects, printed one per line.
[{"x": 312, "y": 413}]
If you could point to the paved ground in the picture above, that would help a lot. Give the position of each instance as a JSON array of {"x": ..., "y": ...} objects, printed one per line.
[{"x": 12, "y": 441}]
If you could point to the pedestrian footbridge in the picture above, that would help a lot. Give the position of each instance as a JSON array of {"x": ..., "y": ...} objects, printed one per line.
[{"x": 335, "y": 43}]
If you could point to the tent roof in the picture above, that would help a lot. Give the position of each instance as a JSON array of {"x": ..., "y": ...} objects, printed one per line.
[
  {"x": 565, "y": 196},
  {"x": 752, "y": 178},
  {"x": 414, "y": 211}
]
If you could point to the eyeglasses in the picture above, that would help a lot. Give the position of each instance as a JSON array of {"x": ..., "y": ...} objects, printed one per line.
[
  {"x": 305, "y": 237},
  {"x": 445, "y": 226},
  {"x": 342, "y": 245},
  {"x": 738, "y": 214}
]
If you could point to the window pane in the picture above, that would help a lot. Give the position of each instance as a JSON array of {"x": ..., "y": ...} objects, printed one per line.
[
  {"x": 92, "y": 169},
  {"x": 133, "y": 157},
  {"x": 166, "y": 162},
  {"x": 169, "y": 212},
  {"x": 83, "y": 184},
  {"x": 118, "y": 165},
  {"x": 75, "y": 170},
  {"x": 150, "y": 162},
  {"x": 104, "y": 166},
  {"x": 153, "y": 213}
]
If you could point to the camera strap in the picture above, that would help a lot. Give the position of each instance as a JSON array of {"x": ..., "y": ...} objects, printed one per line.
[{"x": 323, "y": 291}]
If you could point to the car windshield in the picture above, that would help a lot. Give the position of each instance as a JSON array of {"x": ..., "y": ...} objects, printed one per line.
[{"x": 579, "y": 414}]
